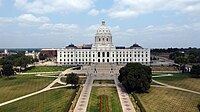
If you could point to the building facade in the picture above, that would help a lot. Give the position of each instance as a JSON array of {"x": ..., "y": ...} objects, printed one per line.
[{"x": 102, "y": 51}]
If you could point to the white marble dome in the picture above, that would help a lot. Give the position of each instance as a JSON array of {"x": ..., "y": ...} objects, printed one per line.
[{"x": 103, "y": 35}]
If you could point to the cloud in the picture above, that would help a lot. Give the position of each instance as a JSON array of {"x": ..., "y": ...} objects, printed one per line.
[
  {"x": 25, "y": 19},
  {"x": 93, "y": 12},
  {"x": 49, "y": 6},
  {"x": 59, "y": 27},
  {"x": 29, "y": 18},
  {"x": 133, "y": 8}
]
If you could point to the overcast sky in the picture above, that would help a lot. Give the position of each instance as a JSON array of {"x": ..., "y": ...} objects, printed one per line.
[{"x": 57, "y": 23}]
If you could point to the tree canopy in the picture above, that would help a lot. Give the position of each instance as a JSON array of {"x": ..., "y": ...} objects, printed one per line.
[
  {"x": 72, "y": 79},
  {"x": 17, "y": 60},
  {"x": 135, "y": 77},
  {"x": 8, "y": 70},
  {"x": 195, "y": 71}
]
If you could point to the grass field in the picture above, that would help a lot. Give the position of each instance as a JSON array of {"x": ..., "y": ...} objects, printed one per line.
[
  {"x": 181, "y": 80},
  {"x": 50, "y": 101},
  {"x": 21, "y": 85},
  {"x": 113, "y": 99},
  {"x": 104, "y": 82},
  {"x": 169, "y": 100},
  {"x": 175, "y": 77},
  {"x": 46, "y": 69}
]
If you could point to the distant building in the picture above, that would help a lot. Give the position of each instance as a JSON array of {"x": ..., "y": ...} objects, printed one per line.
[
  {"x": 33, "y": 54},
  {"x": 5, "y": 53},
  {"x": 49, "y": 52},
  {"x": 102, "y": 51}
]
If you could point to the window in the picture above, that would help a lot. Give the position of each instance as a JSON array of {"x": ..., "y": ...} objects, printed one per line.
[
  {"x": 107, "y": 39},
  {"x": 98, "y": 54},
  {"x": 107, "y": 60},
  {"x": 103, "y": 54},
  {"x": 98, "y": 60},
  {"x": 108, "y": 54},
  {"x": 60, "y": 59}
]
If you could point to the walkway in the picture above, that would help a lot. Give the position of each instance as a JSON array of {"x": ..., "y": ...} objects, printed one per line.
[
  {"x": 83, "y": 100},
  {"x": 126, "y": 103}
]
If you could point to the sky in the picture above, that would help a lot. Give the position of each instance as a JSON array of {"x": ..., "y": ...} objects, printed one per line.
[{"x": 57, "y": 23}]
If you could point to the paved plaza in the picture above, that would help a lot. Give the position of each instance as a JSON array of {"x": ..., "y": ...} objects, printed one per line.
[{"x": 103, "y": 72}]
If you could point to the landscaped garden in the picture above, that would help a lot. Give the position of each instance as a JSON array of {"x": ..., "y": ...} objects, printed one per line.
[
  {"x": 169, "y": 100},
  {"x": 81, "y": 80},
  {"x": 104, "y": 82},
  {"x": 20, "y": 85},
  {"x": 104, "y": 98},
  {"x": 56, "y": 100},
  {"x": 46, "y": 69}
]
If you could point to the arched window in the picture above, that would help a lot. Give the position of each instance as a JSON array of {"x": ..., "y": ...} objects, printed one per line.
[
  {"x": 103, "y": 54},
  {"x": 108, "y": 54}
]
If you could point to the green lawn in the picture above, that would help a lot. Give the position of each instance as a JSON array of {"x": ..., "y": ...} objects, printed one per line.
[
  {"x": 50, "y": 101},
  {"x": 21, "y": 85},
  {"x": 181, "y": 80},
  {"x": 175, "y": 77},
  {"x": 104, "y": 82},
  {"x": 113, "y": 99},
  {"x": 169, "y": 100},
  {"x": 46, "y": 69}
]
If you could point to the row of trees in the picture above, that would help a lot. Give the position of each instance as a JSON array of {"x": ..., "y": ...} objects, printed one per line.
[
  {"x": 185, "y": 57},
  {"x": 17, "y": 60}
]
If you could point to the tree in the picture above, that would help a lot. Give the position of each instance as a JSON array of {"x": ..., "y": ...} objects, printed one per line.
[
  {"x": 23, "y": 61},
  {"x": 72, "y": 79},
  {"x": 8, "y": 70},
  {"x": 192, "y": 58},
  {"x": 181, "y": 60},
  {"x": 135, "y": 77},
  {"x": 195, "y": 71}
]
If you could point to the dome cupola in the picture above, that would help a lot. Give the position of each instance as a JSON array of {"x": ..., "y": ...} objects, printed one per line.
[{"x": 103, "y": 35}]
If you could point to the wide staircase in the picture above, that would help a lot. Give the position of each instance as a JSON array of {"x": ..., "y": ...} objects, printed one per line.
[{"x": 102, "y": 69}]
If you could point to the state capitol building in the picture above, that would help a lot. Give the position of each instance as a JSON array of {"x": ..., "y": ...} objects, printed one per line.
[{"x": 102, "y": 51}]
